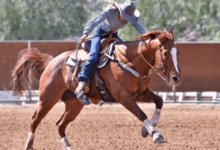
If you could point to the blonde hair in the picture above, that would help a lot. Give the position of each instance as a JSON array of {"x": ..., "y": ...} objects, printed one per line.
[{"x": 112, "y": 5}]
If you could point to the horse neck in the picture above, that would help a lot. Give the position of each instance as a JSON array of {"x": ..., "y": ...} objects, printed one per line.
[
  {"x": 148, "y": 50},
  {"x": 133, "y": 55},
  {"x": 147, "y": 54}
]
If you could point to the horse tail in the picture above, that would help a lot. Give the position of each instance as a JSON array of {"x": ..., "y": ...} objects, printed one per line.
[{"x": 31, "y": 62}]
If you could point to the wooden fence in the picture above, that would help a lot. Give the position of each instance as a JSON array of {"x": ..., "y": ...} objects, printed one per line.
[{"x": 199, "y": 63}]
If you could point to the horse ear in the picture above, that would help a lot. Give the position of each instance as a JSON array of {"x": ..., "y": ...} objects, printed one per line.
[{"x": 171, "y": 32}]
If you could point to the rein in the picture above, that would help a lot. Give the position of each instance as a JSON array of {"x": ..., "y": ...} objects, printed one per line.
[
  {"x": 136, "y": 74},
  {"x": 96, "y": 36},
  {"x": 79, "y": 43}
]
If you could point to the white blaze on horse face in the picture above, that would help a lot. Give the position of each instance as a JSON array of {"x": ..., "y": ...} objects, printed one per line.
[{"x": 174, "y": 56}]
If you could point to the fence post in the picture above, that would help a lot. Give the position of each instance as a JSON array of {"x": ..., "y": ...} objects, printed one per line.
[
  {"x": 174, "y": 95},
  {"x": 29, "y": 92}
]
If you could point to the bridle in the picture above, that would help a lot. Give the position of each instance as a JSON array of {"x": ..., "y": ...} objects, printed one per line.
[{"x": 160, "y": 48}]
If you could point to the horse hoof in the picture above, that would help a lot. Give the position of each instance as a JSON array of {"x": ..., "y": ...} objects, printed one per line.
[
  {"x": 158, "y": 138},
  {"x": 144, "y": 132},
  {"x": 67, "y": 148},
  {"x": 29, "y": 147}
]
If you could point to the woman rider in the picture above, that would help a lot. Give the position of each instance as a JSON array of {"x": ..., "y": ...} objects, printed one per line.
[{"x": 114, "y": 17}]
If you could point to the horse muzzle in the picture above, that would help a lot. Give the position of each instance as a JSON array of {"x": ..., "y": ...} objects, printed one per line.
[{"x": 175, "y": 80}]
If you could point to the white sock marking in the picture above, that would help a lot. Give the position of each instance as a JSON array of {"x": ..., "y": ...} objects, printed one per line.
[
  {"x": 65, "y": 143},
  {"x": 30, "y": 140},
  {"x": 149, "y": 127},
  {"x": 155, "y": 119}
]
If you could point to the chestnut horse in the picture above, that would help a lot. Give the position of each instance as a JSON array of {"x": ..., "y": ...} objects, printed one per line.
[{"x": 155, "y": 48}]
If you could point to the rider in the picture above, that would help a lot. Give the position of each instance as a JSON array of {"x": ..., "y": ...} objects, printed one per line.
[{"x": 114, "y": 17}]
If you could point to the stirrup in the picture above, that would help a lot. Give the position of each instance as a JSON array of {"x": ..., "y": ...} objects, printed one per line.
[{"x": 83, "y": 99}]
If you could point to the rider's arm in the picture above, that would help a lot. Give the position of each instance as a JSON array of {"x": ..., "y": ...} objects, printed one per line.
[
  {"x": 95, "y": 21},
  {"x": 140, "y": 28}
]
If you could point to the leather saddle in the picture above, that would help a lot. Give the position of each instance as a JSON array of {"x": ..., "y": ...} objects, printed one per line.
[
  {"x": 107, "y": 46},
  {"x": 77, "y": 59}
]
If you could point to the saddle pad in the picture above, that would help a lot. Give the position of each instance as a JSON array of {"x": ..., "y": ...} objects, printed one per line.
[
  {"x": 84, "y": 56},
  {"x": 81, "y": 55},
  {"x": 104, "y": 61},
  {"x": 72, "y": 63}
]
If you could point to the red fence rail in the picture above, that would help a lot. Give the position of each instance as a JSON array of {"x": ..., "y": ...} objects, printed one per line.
[{"x": 199, "y": 63}]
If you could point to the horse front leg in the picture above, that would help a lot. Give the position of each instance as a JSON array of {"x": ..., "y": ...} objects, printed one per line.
[
  {"x": 149, "y": 96},
  {"x": 129, "y": 103}
]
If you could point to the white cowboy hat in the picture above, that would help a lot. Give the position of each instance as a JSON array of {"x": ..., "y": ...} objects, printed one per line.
[{"x": 129, "y": 11}]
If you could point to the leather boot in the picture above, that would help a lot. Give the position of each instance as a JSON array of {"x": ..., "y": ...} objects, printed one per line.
[{"x": 80, "y": 93}]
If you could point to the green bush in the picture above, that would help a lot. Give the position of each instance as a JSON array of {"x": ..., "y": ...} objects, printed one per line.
[{"x": 55, "y": 19}]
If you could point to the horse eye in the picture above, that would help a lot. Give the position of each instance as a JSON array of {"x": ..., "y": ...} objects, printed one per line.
[{"x": 165, "y": 54}]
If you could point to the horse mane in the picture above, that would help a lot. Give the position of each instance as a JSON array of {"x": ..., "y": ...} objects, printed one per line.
[
  {"x": 128, "y": 42},
  {"x": 159, "y": 34},
  {"x": 163, "y": 36}
]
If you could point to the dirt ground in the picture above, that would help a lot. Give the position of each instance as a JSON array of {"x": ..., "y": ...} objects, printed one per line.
[{"x": 112, "y": 127}]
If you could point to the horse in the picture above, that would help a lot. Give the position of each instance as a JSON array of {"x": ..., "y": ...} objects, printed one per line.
[{"x": 154, "y": 49}]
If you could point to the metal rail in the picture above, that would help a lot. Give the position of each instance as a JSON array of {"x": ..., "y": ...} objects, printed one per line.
[{"x": 176, "y": 98}]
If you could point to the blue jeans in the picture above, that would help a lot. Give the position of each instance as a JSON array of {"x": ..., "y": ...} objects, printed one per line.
[{"x": 93, "y": 60}]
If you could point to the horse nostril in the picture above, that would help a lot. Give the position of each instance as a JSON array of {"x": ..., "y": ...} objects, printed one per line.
[{"x": 175, "y": 79}]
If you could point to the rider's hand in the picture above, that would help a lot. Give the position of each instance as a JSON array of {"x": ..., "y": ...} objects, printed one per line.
[{"x": 83, "y": 38}]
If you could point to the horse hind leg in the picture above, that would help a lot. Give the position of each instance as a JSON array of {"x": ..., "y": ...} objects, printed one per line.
[
  {"x": 45, "y": 105},
  {"x": 73, "y": 108},
  {"x": 30, "y": 140},
  {"x": 61, "y": 118}
]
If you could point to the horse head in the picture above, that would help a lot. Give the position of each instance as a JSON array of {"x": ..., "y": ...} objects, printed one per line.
[{"x": 166, "y": 55}]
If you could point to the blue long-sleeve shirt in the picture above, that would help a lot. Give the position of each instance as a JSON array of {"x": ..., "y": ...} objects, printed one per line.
[{"x": 108, "y": 21}]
